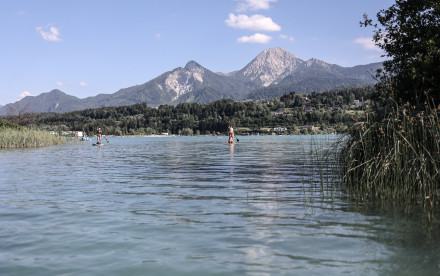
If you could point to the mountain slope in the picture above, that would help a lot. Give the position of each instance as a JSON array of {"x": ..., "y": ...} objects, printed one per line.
[
  {"x": 53, "y": 101},
  {"x": 273, "y": 72},
  {"x": 174, "y": 87},
  {"x": 268, "y": 67}
]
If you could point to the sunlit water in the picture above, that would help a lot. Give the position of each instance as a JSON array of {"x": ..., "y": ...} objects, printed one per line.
[{"x": 197, "y": 206}]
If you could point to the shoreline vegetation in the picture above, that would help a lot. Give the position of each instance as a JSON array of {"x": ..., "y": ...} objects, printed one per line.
[
  {"x": 15, "y": 136},
  {"x": 324, "y": 113},
  {"x": 327, "y": 112},
  {"x": 393, "y": 157}
]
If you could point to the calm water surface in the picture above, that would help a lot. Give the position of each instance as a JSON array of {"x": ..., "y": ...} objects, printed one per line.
[{"x": 196, "y": 206}]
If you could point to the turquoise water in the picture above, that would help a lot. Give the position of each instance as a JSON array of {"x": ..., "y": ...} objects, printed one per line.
[{"x": 197, "y": 206}]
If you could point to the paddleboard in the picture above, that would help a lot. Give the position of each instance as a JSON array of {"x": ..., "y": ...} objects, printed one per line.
[{"x": 97, "y": 144}]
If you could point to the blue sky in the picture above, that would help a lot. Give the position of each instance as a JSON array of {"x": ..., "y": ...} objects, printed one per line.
[{"x": 88, "y": 47}]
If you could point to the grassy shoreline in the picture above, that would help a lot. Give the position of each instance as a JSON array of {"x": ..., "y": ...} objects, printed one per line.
[
  {"x": 395, "y": 158},
  {"x": 23, "y": 138}
]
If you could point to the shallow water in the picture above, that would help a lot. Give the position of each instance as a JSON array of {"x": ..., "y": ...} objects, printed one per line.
[{"x": 197, "y": 206}]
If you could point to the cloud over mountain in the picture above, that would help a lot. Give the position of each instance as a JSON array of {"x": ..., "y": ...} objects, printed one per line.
[
  {"x": 255, "y": 22},
  {"x": 23, "y": 95},
  {"x": 367, "y": 43},
  {"x": 256, "y": 38}
]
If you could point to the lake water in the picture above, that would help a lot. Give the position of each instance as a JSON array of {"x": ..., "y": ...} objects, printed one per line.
[{"x": 197, "y": 206}]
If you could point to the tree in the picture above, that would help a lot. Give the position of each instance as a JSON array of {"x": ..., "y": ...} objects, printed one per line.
[
  {"x": 409, "y": 33},
  {"x": 19, "y": 115}
]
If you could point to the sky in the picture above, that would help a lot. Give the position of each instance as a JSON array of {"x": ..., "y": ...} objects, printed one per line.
[{"x": 89, "y": 47}]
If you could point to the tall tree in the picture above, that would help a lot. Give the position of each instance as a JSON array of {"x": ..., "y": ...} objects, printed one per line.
[{"x": 409, "y": 33}]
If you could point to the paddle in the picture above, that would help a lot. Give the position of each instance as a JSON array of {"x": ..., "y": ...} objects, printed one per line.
[{"x": 106, "y": 139}]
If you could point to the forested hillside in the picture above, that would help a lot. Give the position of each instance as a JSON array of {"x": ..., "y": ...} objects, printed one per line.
[{"x": 291, "y": 113}]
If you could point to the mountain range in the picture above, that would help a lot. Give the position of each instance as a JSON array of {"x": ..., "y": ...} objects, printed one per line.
[{"x": 274, "y": 72}]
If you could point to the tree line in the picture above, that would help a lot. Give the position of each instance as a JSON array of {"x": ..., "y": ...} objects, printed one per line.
[{"x": 334, "y": 109}]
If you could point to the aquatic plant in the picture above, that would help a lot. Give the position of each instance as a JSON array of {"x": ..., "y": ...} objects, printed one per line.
[
  {"x": 14, "y": 136},
  {"x": 394, "y": 155},
  {"x": 395, "y": 158},
  {"x": 321, "y": 167}
]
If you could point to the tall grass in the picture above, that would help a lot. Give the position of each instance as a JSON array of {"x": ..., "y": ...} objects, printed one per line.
[
  {"x": 320, "y": 168},
  {"x": 395, "y": 158},
  {"x": 23, "y": 138}
]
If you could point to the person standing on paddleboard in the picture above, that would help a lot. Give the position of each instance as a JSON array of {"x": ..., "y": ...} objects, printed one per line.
[
  {"x": 99, "y": 135},
  {"x": 231, "y": 134}
]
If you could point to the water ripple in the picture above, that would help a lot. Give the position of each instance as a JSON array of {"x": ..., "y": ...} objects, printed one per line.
[{"x": 183, "y": 206}]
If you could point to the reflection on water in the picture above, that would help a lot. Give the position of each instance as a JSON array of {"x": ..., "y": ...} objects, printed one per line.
[{"x": 197, "y": 206}]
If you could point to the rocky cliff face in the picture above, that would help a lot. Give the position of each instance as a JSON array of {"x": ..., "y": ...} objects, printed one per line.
[
  {"x": 182, "y": 80},
  {"x": 270, "y": 66}
]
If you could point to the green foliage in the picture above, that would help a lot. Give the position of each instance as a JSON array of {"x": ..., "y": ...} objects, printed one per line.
[
  {"x": 186, "y": 132},
  {"x": 8, "y": 125},
  {"x": 139, "y": 119},
  {"x": 394, "y": 155},
  {"x": 409, "y": 33}
]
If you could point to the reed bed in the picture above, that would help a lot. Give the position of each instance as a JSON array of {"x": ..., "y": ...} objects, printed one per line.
[
  {"x": 395, "y": 158},
  {"x": 23, "y": 138},
  {"x": 321, "y": 170}
]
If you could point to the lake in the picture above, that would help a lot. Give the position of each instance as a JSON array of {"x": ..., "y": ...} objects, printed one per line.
[{"x": 197, "y": 206}]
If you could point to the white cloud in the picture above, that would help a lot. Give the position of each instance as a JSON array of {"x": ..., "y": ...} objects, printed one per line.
[
  {"x": 287, "y": 37},
  {"x": 49, "y": 33},
  {"x": 254, "y": 5},
  {"x": 23, "y": 95},
  {"x": 81, "y": 84},
  {"x": 254, "y": 23},
  {"x": 367, "y": 43},
  {"x": 256, "y": 38},
  {"x": 374, "y": 57}
]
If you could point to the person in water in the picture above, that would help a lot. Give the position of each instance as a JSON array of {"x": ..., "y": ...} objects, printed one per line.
[
  {"x": 99, "y": 135},
  {"x": 231, "y": 132}
]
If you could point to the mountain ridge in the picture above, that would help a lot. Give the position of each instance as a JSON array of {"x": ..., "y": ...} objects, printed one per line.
[{"x": 271, "y": 73}]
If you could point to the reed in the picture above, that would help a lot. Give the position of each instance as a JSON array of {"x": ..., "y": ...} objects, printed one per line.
[
  {"x": 23, "y": 138},
  {"x": 395, "y": 158},
  {"x": 321, "y": 170}
]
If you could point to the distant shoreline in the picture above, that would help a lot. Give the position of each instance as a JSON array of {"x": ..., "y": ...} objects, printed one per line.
[
  {"x": 148, "y": 136},
  {"x": 140, "y": 135},
  {"x": 226, "y": 136}
]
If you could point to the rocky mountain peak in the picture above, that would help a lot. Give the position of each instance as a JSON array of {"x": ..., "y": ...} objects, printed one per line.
[
  {"x": 182, "y": 80},
  {"x": 275, "y": 53},
  {"x": 314, "y": 61},
  {"x": 56, "y": 91},
  {"x": 271, "y": 65},
  {"x": 276, "y": 57},
  {"x": 193, "y": 66}
]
